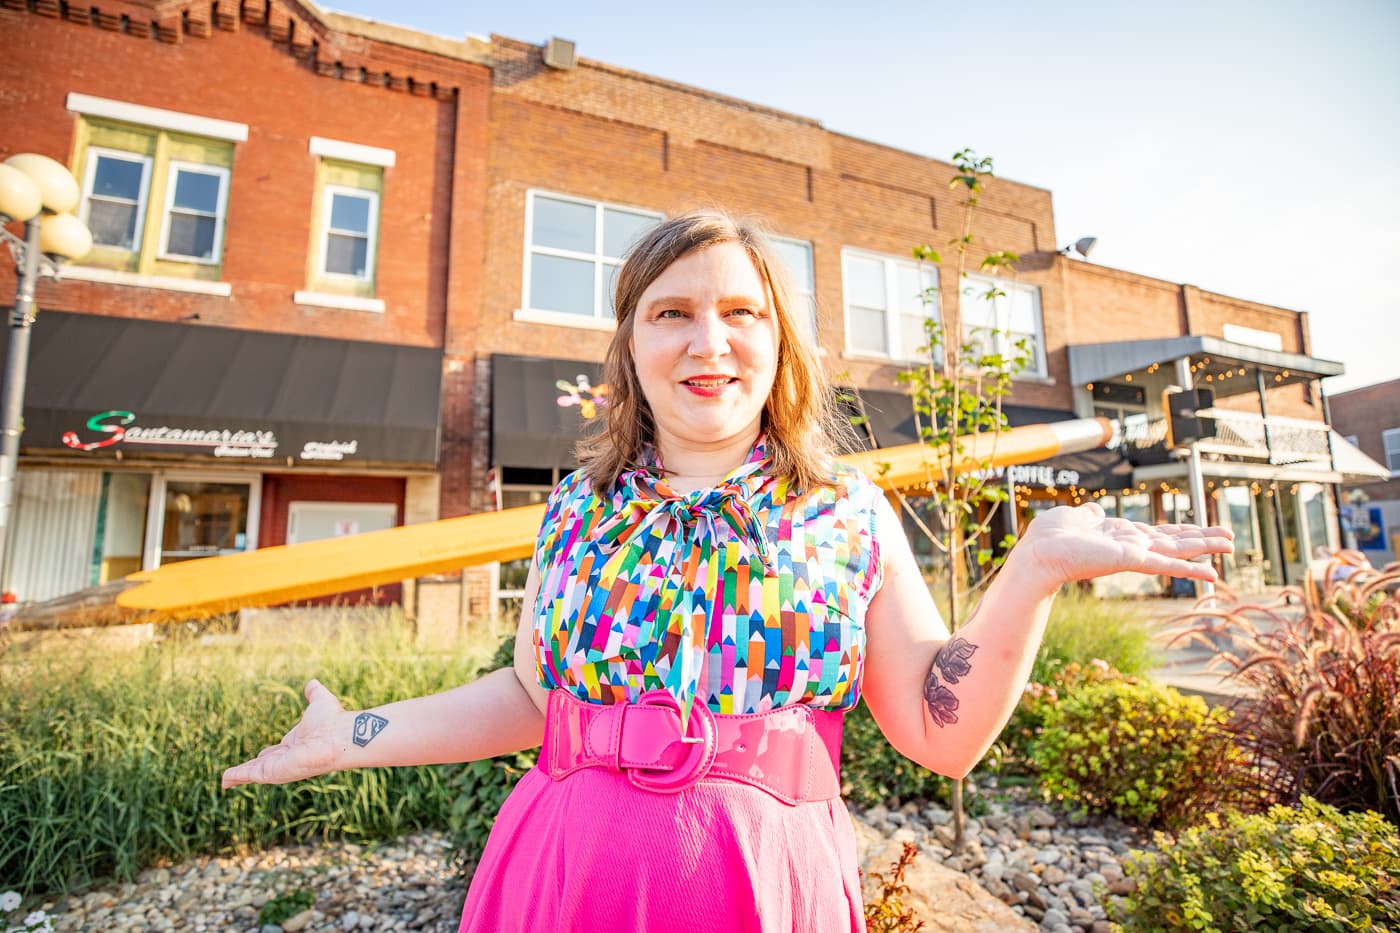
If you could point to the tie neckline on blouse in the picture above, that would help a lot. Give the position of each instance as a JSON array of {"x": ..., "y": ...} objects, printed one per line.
[{"x": 653, "y": 508}]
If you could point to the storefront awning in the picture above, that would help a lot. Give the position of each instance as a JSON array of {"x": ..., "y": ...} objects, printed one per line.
[
  {"x": 890, "y": 418},
  {"x": 1101, "y": 362},
  {"x": 540, "y": 408},
  {"x": 100, "y": 387}
]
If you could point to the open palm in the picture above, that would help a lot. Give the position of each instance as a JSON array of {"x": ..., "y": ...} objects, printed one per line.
[
  {"x": 1082, "y": 542},
  {"x": 307, "y": 750}
]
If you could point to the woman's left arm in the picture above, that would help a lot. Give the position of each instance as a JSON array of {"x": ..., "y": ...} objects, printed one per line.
[{"x": 942, "y": 700}]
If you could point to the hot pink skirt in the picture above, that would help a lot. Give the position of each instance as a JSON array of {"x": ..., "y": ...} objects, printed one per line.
[{"x": 594, "y": 852}]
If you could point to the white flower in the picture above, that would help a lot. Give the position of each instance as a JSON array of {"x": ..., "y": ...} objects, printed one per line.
[
  {"x": 9, "y": 901},
  {"x": 37, "y": 919}
]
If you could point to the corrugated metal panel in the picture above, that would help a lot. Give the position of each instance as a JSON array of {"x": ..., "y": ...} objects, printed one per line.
[{"x": 51, "y": 534}]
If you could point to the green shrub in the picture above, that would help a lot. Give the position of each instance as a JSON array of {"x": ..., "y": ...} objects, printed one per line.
[
  {"x": 285, "y": 906},
  {"x": 1309, "y": 868},
  {"x": 873, "y": 773},
  {"x": 109, "y": 763},
  {"x": 1138, "y": 751},
  {"x": 480, "y": 787},
  {"x": 1014, "y": 749}
]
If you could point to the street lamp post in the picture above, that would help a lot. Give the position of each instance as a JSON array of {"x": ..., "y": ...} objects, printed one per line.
[{"x": 41, "y": 193}]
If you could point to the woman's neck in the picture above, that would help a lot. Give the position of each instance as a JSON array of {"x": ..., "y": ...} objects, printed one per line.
[{"x": 690, "y": 466}]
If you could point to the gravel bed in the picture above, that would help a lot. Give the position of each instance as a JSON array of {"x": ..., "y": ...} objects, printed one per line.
[{"x": 1052, "y": 868}]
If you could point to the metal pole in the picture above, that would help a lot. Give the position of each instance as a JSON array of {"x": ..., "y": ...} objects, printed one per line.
[
  {"x": 16, "y": 372},
  {"x": 1332, "y": 462},
  {"x": 1193, "y": 468},
  {"x": 1278, "y": 492}
]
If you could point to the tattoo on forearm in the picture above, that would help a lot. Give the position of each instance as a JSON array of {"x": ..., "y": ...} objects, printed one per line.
[
  {"x": 367, "y": 726},
  {"x": 951, "y": 664}
]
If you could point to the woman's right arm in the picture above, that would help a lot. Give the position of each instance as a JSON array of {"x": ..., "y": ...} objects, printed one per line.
[{"x": 498, "y": 713}]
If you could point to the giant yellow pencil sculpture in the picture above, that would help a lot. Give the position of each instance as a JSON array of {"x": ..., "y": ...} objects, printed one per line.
[{"x": 319, "y": 568}]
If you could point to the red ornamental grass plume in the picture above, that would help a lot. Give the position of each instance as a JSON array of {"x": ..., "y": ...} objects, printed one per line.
[{"x": 1323, "y": 713}]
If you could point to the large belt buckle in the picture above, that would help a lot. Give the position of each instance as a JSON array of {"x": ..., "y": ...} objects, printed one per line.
[{"x": 699, "y": 739}]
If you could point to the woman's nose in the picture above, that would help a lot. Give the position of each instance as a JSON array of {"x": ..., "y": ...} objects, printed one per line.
[{"x": 708, "y": 338}]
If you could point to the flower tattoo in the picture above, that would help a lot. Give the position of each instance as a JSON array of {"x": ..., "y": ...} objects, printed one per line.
[
  {"x": 953, "y": 663},
  {"x": 952, "y": 659}
]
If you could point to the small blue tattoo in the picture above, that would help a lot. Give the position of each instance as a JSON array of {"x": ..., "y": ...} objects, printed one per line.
[{"x": 367, "y": 726}]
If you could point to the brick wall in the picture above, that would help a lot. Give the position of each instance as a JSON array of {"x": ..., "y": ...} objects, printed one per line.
[
  {"x": 1108, "y": 305},
  {"x": 607, "y": 134},
  {"x": 1365, "y": 413},
  {"x": 266, "y": 76},
  {"x": 289, "y": 72}
]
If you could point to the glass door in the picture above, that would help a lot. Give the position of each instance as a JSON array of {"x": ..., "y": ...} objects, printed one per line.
[{"x": 201, "y": 516}]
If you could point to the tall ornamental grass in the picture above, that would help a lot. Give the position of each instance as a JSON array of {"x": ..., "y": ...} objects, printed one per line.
[
  {"x": 1084, "y": 627},
  {"x": 1325, "y": 680},
  {"x": 111, "y": 762}
]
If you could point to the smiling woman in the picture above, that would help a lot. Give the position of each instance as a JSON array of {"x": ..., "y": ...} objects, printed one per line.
[{"x": 707, "y": 597}]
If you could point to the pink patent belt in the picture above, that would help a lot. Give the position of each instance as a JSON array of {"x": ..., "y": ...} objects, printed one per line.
[{"x": 793, "y": 752}]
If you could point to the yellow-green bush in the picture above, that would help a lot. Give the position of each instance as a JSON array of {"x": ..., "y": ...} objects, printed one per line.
[
  {"x": 1139, "y": 751},
  {"x": 1301, "y": 868}
]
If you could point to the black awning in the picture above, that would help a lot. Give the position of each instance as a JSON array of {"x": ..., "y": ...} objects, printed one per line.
[
  {"x": 98, "y": 385},
  {"x": 540, "y": 407},
  {"x": 891, "y": 419}
]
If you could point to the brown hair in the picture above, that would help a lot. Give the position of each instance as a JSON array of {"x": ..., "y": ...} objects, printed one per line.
[{"x": 799, "y": 418}]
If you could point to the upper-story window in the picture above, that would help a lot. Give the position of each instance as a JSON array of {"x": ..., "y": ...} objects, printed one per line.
[
  {"x": 999, "y": 314},
  {"x": 797, "y": 256},
  {"x": 1390, "y": 441},
  {"x": 887, "y": 301},
  {"x": 155, "y": 187},
  {"x": 574, "y": 248},
  {"x": 344, "y": 253}
]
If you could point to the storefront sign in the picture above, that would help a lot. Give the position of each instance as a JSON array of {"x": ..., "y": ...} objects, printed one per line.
[
  {"x": 120, "y": 428},
  {"x": 329, "y": 450},
  {"x": 1033, "y": 474}
]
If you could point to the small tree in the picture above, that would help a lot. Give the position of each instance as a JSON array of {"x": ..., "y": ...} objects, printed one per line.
[{"x": 957, "y": 392}]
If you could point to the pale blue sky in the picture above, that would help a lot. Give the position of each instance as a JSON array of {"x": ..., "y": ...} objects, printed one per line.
[{"x": 1247, "y": 147}]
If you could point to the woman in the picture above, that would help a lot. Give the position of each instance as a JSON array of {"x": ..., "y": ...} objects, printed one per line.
[{"x": 707, "y": 596}]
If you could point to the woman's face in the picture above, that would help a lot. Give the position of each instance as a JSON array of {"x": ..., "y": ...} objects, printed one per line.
[{"x": 705, "y": 345}]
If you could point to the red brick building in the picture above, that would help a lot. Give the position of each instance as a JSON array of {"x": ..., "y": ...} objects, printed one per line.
[
  {"x": 397, "y": 193},
  {"x": 583, "y": 156},
  {"x": 286, "y": 207}
]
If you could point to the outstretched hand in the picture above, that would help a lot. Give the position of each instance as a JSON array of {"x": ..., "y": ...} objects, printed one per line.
[
  {"x": 307, "y": 750},
  {"x": 1082, "y": 542}
]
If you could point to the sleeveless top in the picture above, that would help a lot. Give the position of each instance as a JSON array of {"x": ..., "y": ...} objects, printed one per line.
[{"x": 748, "y": 595}]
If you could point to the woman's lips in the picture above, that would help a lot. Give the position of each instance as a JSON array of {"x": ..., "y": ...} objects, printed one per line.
[{"x": 708, "y": 386}]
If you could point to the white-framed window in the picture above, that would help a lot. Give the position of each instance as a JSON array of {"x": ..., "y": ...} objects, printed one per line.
[
  {"x": 155, "y": 193},
  {"x": 193, "y": 227},
  {"x": 573, "y": 249},
  {"x": 887, "y": 301},
  {"x": 350, "y": 229},
  {"x": 1390, "y": 442},
  {"x": 797, "y": 256},
  {"x": 1005, "y": 313},
  {"x": 115, "y": 193}
]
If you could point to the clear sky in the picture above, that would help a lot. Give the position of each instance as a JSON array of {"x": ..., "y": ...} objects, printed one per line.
[{"x": 1249, "y": 147}]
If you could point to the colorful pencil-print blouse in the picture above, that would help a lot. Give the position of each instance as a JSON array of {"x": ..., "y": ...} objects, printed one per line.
[{"x": 749, "y": 595}]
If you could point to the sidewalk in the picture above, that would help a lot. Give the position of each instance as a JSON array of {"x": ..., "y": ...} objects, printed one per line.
[{"x": 1186, "y": 663}]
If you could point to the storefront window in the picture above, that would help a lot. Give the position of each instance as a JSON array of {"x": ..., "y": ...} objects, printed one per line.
[
  {"x": 204, "y": 519},
  {"x": 1136, "y": 508},
  {"x": 1237, "y": 514},
  {"x": 1314, "y": 508},
  {"x": 122, "y": 525}
]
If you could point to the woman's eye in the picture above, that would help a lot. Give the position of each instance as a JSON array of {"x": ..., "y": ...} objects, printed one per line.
[
  {"x": 744, "y": 312},
  {"x": 669, "y": 313}
]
